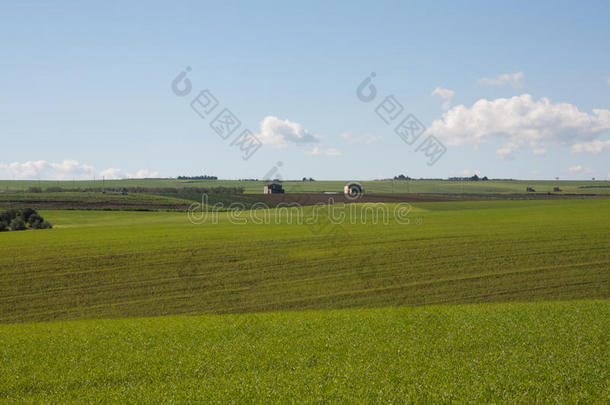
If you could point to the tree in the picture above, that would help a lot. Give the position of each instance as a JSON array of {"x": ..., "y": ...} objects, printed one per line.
[
  {"x": 17, "y": 224},
  {"x": 45, "y": 225},
  {"x": 8, "y": 215},
  {"x": 26, "y": 213},
  {"x": 35, "y": 220},
  {"x": 18, "y": 220}
]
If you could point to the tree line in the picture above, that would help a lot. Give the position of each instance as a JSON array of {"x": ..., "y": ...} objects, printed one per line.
[{"x": 22, "y": 219}]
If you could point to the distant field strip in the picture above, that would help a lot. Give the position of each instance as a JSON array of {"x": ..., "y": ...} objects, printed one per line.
[
  {"x": 122, "y": 264},
  {"x": 372, "y": 186},
  {"x": 538, "y": 352},
  {"x": 90, "y": 200}
]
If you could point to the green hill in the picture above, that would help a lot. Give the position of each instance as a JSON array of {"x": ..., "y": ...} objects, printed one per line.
[{"x": 123, "y": 264}]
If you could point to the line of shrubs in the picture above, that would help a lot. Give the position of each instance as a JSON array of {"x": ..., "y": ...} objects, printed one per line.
[
  {"x": 22, "y": 219},
  {"x": 204, "y": 177},
  {"x": 199, "y": 190}
]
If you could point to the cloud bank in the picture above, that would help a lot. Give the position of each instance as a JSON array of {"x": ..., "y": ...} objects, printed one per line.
[
  {"x": 594, "y": 147},
  {"x": 517, "y": 121},
  {"x": 67, "y": 169},
  {"x": 42, "y": 169}
]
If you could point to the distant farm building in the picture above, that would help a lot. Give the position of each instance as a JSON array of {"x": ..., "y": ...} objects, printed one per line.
[
  {"x": 274, "y": 188},
  {"x": 353, "y": 189},
  {"x": 530, "y": 190},
  {"x": 557, "y": 189}
]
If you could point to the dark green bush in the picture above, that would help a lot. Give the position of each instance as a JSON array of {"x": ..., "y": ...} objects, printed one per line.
[
  {"x": 35, "y": 220},
  {"x": 26, "y": 213},
  {"x": 18, "y": 220},
  {"x": 9, "y": 215},
  {"x": 45, "y": 225},
  {"x": 17, "y": 224}
]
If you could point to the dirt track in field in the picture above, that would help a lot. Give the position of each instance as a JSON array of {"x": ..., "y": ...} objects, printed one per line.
[
  {"x": 272, "y": 200},
  {"x": 318, "y": 198},
  {"x": 311, "y": 199}
]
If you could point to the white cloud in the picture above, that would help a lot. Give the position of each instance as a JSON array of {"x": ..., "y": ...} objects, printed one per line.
[
  {"x": 539, "y": 151},
  {"x": 445, "y": 94},
  {"x": 514, "y": 79},
  {"x": 143, "y": 174},
  {"x": 66, "y": 170},
  {"x": 608, "y": 80},
  {"x": 595, "y": 146},
  {"x": 277, "y": 132},
  {"x": 325, "y": 152},
  {"x": 578, "y": 169},
  {"x": 469, "y": 172},
  {"x": 575, "y": 169},
  {"x": 508, "y": 149},
  {"x": 112, "y": 173},
  {"x": 365, "y": 139},
  {"x": 42, "y": 169},
  {"x": 517, "y": 121}
]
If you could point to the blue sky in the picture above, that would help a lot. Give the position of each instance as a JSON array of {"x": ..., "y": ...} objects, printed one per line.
[{"x": 523, "y": 90}]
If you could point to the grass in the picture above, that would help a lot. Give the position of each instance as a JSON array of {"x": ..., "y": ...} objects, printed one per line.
[
  {"x": 98, "y": 264},
  {"x": 553, "y": 352},
  {"x": 377, "y": 186},
  {"x": 146, "y": 307}
]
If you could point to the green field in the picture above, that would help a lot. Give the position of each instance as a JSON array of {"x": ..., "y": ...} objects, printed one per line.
[
  {"x": 116, "y": 264},
  {"x": 376, "y": 186},
  {"x": 490, "y": 353},
  {"x": 471, "y": 301}
]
